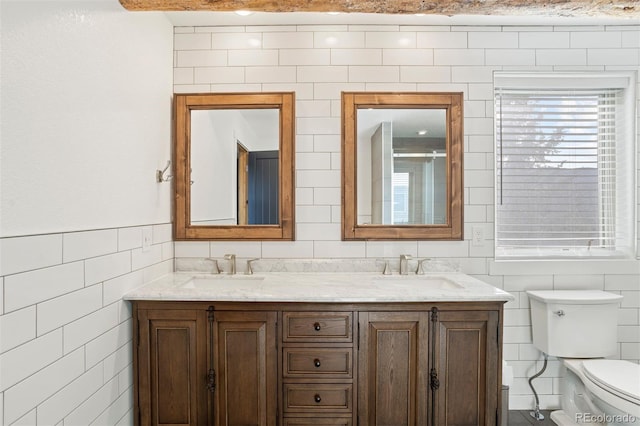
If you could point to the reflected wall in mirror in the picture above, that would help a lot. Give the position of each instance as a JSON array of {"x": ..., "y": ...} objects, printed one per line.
[
  {"x": 234, "y": 148},
  {"x": 402, "y": 166},
  {"x": 234, "y": 166}
]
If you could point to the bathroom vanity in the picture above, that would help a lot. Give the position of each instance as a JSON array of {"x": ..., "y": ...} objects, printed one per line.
[{"x": 298, "y": 349}]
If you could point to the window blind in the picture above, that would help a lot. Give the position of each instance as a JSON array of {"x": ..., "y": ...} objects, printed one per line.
[{"x": 561, "y": 189}]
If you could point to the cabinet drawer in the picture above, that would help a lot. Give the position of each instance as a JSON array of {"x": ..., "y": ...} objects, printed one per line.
[
  {"x": 317, "y": 326},
  {"x": 317, "y": 421},
  {"x": 317, "y": 362},
  {"x": 300, "y": 397}
]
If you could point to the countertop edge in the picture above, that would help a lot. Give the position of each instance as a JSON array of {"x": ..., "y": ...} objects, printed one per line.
[{"x": 287, "y": 288}]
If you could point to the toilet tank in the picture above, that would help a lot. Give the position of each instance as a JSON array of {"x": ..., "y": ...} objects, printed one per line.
[{"x": 575, "y": 323}]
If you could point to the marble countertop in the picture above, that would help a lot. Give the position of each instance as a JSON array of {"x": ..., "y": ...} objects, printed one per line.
[{"x": 319, "y": 287}]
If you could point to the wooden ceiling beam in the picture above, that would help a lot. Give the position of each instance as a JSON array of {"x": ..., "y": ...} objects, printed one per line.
[{"x": 569, "y": 8}]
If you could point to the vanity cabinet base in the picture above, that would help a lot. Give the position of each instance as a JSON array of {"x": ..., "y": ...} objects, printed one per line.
[{"x": 304, "y": 364}]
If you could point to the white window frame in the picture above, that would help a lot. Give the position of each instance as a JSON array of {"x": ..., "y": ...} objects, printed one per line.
[{"x": 626, "y": 179}]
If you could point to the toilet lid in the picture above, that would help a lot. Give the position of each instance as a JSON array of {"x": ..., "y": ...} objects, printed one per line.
[
  {"x": 575, "y": 297},
  {"x": 621, "y": 377}
]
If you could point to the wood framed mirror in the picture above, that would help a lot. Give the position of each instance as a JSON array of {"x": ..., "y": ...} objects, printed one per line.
[
  {"x": 234, "y": 166},
  {"x": 402, "y": 166}
]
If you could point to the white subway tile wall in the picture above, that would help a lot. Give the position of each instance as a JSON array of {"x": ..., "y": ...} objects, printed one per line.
[
  {"x": 319, "y": 62},
  {"x": 65, "y": 332}
]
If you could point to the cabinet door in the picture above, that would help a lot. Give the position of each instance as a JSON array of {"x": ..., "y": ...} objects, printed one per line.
[
  {"x": 246, "y": 366},
  {"x": 393, "y": 360},
  {"x": 172, "y": 367},
  {"x": 467, "y": 361}
]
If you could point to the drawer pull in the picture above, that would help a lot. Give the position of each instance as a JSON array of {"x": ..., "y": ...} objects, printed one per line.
[
  {"x": 316, "y": 326},
  {"x": 316, "y": 362},
  {"x": 317, "y": 398}
]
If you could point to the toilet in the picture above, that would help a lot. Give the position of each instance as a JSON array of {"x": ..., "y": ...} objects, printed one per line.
[{"x": 580, "y": 328}]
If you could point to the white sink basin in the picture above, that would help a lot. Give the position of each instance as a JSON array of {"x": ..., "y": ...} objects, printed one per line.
[
  {"x": 222, "y": 280},
  {"x": 438, "y": 283}
]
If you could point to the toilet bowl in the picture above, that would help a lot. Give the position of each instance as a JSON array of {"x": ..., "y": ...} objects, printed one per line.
[{"x": 580, "y": 327}]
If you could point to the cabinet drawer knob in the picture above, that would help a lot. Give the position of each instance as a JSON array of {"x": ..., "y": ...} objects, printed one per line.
[
  {"x": 316, "y": 362},
  {"x": 317, "y": 398},
  {"x": 316, "y": 326}
]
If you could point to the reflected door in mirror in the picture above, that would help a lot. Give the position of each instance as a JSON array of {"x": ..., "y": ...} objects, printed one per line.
[{"x": 262, "y": 172}]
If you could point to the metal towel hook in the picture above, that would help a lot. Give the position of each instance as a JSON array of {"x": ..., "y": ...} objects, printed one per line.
[{"x": 163, "y": 175}]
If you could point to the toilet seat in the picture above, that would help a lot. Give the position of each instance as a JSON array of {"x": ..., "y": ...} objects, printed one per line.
[
  {"x": 602, "y": 388},
  {"x": 622, "y": 378}
]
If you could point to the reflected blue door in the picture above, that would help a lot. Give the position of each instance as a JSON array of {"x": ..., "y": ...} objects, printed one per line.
[{"x": 263, "y": 188}]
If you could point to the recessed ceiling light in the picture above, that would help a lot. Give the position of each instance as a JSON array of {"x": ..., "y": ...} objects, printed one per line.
[
  {"x": 421, "y": 132},
  {"x": 244, "y": 12},
  {"x": 333, "y": 13}
]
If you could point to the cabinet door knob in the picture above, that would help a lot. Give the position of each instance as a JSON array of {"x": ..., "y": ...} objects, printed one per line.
[
  {"x": 317, "y": 398},
  {"x": 316, "y": 326},
  {"x": 316, "y": 362}
]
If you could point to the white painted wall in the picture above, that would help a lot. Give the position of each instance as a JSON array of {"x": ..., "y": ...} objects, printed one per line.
[
  {"x": 85, "y": 116},
  {"x": 85, "y": 98},
  {"x": 320, "y": 61},
  {"x": 213, "y": 168}
]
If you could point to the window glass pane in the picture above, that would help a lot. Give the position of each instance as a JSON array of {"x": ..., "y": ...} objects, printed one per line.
[{"x": 400, "y": 198}]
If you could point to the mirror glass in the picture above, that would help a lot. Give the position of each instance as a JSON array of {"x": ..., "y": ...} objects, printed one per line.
[
  {"x": 234, "y": 166},
  {"x": 234, "y": 169},
  {"x": 402, "y": 166},
  {"x": 402, "y": 170}
]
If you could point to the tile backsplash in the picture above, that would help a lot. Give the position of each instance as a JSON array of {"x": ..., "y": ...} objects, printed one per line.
[
  {"x": 318, "y": 62},
  {"x": 66, "y": 344}
]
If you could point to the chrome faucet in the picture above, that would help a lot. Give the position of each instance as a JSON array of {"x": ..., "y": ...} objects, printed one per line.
[
  {"x": 232, "y": 263},
  {"x": 249, "y": 269},
  {"x": 404, "y": 264}
]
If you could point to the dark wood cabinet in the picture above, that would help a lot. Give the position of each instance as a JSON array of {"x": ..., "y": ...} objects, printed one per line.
[
  {"x": 466, "y": 362},
  {"x": 302, "y": 364},
  {"x": 198, "y": 366},
  {"x": 434, "y": 367},
  {"x": 393, "y": 360},
  {"x": 246, "y": 365},
  {"x": 171, "y": 366}
]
